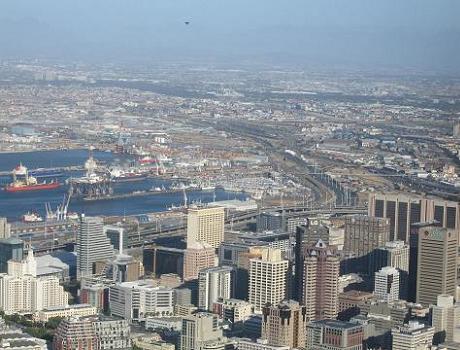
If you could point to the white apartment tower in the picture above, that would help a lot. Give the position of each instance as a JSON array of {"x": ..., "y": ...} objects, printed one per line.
[
  {"x": 5, "y": 229},
  {"x": 386, "y": 286},
  {"x": 268, "y": 278},
  {"x": 206, "y": 225},
  {"x": 22, "y": 292},
  {"x": 446, "y": 316},
  {"x": 413, "y": 336},
  {"x": 214, "y": 284}
]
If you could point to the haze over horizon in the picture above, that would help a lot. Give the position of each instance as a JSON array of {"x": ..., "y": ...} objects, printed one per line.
[{"x": 419, "y": 34}]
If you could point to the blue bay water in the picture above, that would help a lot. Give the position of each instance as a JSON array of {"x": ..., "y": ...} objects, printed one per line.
[{"x": 14, "y": 205}]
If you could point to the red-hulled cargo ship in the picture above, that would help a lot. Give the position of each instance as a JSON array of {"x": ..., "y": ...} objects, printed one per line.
[
  {"x": 30, "y": 183},
  {"x": 23, "y": 187}
]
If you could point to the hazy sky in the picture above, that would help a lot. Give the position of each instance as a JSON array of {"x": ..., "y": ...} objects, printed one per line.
[{"x": 416, "y": 33}]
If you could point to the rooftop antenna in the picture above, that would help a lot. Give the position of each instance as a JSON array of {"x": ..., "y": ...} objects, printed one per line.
[{"x": 120, "y": 244}]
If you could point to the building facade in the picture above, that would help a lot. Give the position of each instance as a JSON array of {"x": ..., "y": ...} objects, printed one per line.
[
  {"x": 386, "y": 286},
  {"x": 412, "y": 336},
  {"x": 268, "y": 278},
  {"x": 334, "y": 335},
  {"x": 365, "y": 233},
  {"x": 321, "y": 280},
  {"x": 403, "y": 210},
  {"x": 213, "y": 284},
  {"x": 446, "y": 317},
  {"x": 436, "y": 264},
  {"x": 92, "y": 245},
  {"x": 21, "y": 291},
  {"x": 206, "y": 225},
  {"x": 5, "y": 228},
  {"x": 285, "y": 324},
  {"x": 198, "y": 256},
  {"x": 201, "y": 331},
  {"x": 136, "y": 300}
]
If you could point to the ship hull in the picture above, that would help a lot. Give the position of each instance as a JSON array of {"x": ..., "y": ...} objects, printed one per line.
[
  {"x": 46, "y": 173},
  {"x": 27, "y": 188},
  {"x": 129, "y": 178}
]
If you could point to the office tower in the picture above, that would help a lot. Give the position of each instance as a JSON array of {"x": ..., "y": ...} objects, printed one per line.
[
  {"x": 268, "y": 221},
  {"x": 412, "y": 336},
  {"x": 124, "y": 267},
  {"x": 92, "y": 245},
  {"x": 437, "y": 264},
  {"x": 21, "y": 291},
  {"x": 273, "y": 239},
  {"x": 182, "y": 296},
  {"x": 284, "y": 324},
  {"x": 206, "y": 225},
  {"x": 415, "y": 231},
  {"x": 115, "y": 233},
  {"x": 112, "y": 333},
  {"x": 213, "y": 284},
  {"x": 10, "y": 249},
  {"x": 134, "y": 300},
  {"x": 334, "y": 335},
  {"x": 75, "y": 333},
  {"x": 321, "y": 279},
  {"x": 292, "y": 223},
  {"x": 351, "y": 302},
  {"x": 163, "y": 260},
  {"x": 445, "y": 317},
  {"x": 199, "y": 331},
  {"x": 5, "y": 228},
  {"x": 297, "y": 287},
  {"x": 268, "y": 278},
  {"x": 387, "y": 284},
  {"x": 364, "y": 233},
  {"x": 229, "y": 252},
  {"x": 242, "y": 271},
  {"x": 198, "y": 256},
  {"x": 403, "y": 210},
  {"x": 235, "y": 311},
  {"x": 394, "y": 254},
  {"x": 96, "y": 295}
]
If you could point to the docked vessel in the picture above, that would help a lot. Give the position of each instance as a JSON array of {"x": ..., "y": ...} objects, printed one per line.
[
  {"x": 28, "y": 183},
  {"x": 147, "y": 160},
  {"x": 42, "y": 172},
  {"x": 20, "y": 171},
  {"x": 31, "y": 217},
  {"x": 118, "y": 175}
]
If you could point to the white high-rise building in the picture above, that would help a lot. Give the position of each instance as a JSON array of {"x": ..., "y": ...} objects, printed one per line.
[
  {"x": 201, "y": 331},
  {"x": 92, "y": 245},
  {"x": 135, "y": 300},
  {"x": 446, "y": 316},
  {"x": 5, "y": 229},
  {"x": 413, "y": 336},
  {"x": 387, "y": 284},
  {"x": 206, "y": 225},
  {"x": 214, "y": 283},
  {"x": 268, "y": 278},
  {"x": 22, "y": 292}
]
